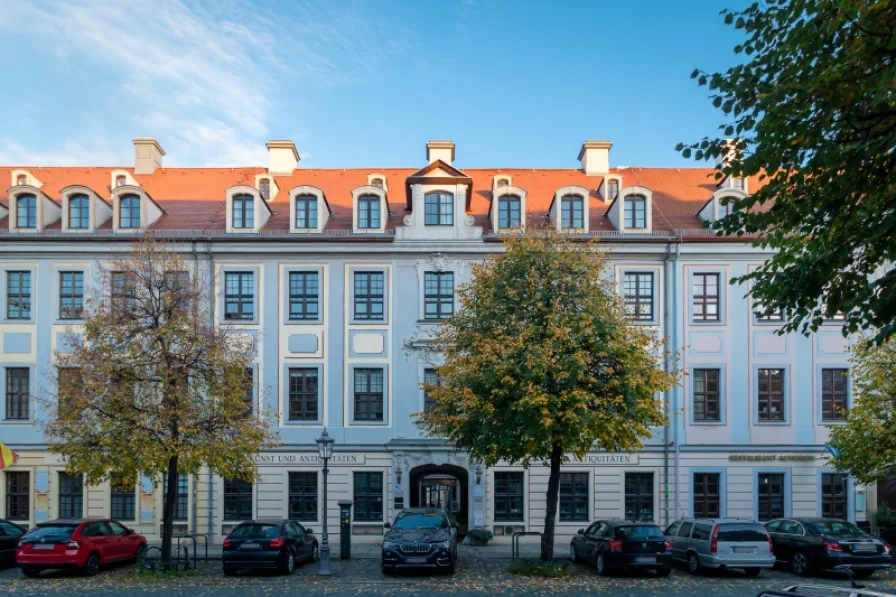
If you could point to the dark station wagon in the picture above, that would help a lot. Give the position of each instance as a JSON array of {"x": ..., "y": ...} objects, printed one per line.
[{"x": 622, "y": 545}]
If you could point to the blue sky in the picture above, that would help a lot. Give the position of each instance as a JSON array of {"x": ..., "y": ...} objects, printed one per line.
[{"x": 357, "y": 83}]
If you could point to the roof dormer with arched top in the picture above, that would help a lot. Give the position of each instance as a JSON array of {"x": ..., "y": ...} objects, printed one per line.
[
  {"x": 83, "y": 209},
  {"x": 133, "y": 210},
  {"x": 632, "y": 210}
]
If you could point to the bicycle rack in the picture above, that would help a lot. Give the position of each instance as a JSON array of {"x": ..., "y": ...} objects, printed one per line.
[
  {"x": 515, "y": 542},
  {"x": 192, "y": 537}
]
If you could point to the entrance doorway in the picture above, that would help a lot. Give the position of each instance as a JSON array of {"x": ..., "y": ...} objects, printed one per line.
[{"x": 441, "y": 486}]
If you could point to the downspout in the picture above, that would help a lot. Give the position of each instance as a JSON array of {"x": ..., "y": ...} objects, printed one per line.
[
  {"x": 195, "y": 501},
  {"x": 211, "y": 317},
  {"x": 667, "y": 363},
  {"x": 676, "y": 342}
]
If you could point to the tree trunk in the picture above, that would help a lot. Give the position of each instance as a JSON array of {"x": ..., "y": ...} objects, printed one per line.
[
  {"x": 168, "y": 511},
  {"x": 550, "y": 516}
]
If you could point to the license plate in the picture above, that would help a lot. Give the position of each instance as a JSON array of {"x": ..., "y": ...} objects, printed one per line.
[
  {"x": 645, "y": 560},
  {"x": 43, "y": 546},
  {"x": 416, "y": 560},
  {"x": 250, "y": 546},
  {"x": 864, "y": 548},
  {"x": 744, "y": 550}
]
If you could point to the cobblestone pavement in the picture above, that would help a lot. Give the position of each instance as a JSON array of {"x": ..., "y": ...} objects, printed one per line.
[{"x": 476, "y": 575}]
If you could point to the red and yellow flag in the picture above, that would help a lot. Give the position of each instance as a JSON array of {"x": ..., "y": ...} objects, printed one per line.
[{"x": 7, "y": 457}]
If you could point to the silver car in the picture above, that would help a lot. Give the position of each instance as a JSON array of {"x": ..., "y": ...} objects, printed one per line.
[{"x": 721, "y": 545}]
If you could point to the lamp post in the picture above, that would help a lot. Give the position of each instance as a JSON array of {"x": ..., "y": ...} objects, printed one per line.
[{"x": 325, "y": 450}]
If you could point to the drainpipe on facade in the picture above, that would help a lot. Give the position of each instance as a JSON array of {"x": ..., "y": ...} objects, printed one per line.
[
  {"x": 667, "y": 316},
  {"x": 211, "y": 316},
  {"x": 195, "y": 493},
  {"x": 676, "y": 342}
]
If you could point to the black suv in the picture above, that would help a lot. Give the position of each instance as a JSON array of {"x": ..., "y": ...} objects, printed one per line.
[{"x": 420, "y": 538}]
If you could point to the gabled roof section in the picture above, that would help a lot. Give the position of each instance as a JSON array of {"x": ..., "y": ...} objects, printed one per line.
[{"x": 439, "y": 172}]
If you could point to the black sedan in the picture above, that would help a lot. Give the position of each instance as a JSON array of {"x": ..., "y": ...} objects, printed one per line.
[
  {"x": 420, "y": 538},
  {"x": 272, "y": 544},
  {"x": 809, "y": 544},
  {"x": 622, "y": 545},
  {"x": 10, "y": 534}
]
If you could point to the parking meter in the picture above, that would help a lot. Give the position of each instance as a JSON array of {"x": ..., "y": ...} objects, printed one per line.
[{"x": 345, "y": 529}]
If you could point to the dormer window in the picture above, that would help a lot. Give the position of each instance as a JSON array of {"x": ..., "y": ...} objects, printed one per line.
[
  {"x": 21, "y": 179},
  {"x": 635, "y": 212},
  {"x": 264, "y": 188},
  {"x": 243, "y": 211},
  {"x": 572, "y": 212},
  {"x": 377, "y": 182},
  {"x": 509, "y": 212},
  {"x": 726, "y": 206},
  {"x": 129, "y": 212},
  {"x": 306, "y": 211},
  {"x": 26, "y": 211},
  {"x": 79, "y": 212},
  {"x": 737, "y": 183},
  {"x": 612, "y": 189},
  {"x": 121, "y": 180},
  {"x": 369, "y": 212},
  {"x": 502, "y": 182},
  {"x": 439, "y": 209}
]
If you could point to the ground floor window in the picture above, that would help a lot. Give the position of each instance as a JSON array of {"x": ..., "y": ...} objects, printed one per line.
[
  {"x": 770, "y": 496},
  {"x": 574, "y": 497},
  {"x": 509, "y": 496},
  {"x": 17, "y": 495},
  {"x": 182, "y": 503},
  {"x": 368, "y": 495},
  {"x": 237, "y": 500},
  {"x": 833, "y": 495},
  {"x": 707, "y": 501},
  {"x": 71, "y": 496},
  {"x": 639, "y": 496},
  {"x": 303, "y": 496},
  {"x": 124, "y": 501}
]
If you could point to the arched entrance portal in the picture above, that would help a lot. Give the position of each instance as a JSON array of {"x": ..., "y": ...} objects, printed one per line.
[{"x": 441, "y": 486}]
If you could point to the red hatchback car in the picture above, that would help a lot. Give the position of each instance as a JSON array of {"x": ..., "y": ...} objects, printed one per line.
[{"x": 80, "y": 544}]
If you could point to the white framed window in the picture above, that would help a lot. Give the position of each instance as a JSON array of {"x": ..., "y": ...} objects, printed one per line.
[{"x": 370, "y": 209}]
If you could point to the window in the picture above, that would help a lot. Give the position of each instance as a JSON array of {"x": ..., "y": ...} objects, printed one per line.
[
  {"x": 121, "y": 180},
  {"x": 370, "y": 295},
  {"x": 18, "y": 394},
  {"x": 771, "y": 394},
  {"x": 509, "y": 496},
  {"x": 635, "y": 212},
  {"x": 368, "y": 497},
  {"x": 702, "y": 531},
  {"x": 833, "y": 495},
  {"x": 706, "y": 395},
  {"x": 237, "y": 500},
  {"x": 68, "y": 384},
  {"x": 707, "y": 500},
  {"x": 303, "y": 394},
  {"x": 304, "y": 296},
  {"x": 239, "y": 295},
  {"x": 124, "y": 501},
  {"x": 18, "y": 493},
  {"x": 726, "y": 206},
  {"x": 438, "y": 295},
  {"x": 770, "y": 496},
  {"x": 243, "y": 211},
  {"x": 306, "y": 211},
  {"x": 378, "y": 183},
  {"x": 78, "y": 212},
  {"x": 612, "y": 189},
  {"x": 249, "y": 396},
  {"x": 369, "y": 212},
  {"x": 264, "y": 188},
  {"x": 706, "y": 296},
  {"x": 572, "y": 212},
  {"x": 639, "y": 496},
  {"x": 18, "y": 295},
  {"x": 124, "y": 293},
  {"x": 638, "y": 289},
  {"x": 439, "y": 209},
  {"x": 303, "y": 496},
  {"x": 431, "y": 377},
  {"x": 574, "y": 496},
  {"x": 71, "y": 295},
  {"x": 369, "y": 394},
  {"x": 764, "y": 315},
  {"x": 21, "y": 179},
  {"x": 834, "y": 394},
  {"x": 129, "y": 212},
  {"x": 509, "y": 212},
  {"x": 502, "y": 182},
  {"x": 737, "y": 183},
  {"x": 26, "y": 211},
  {"x": 71, "y": 496},
  {"x": 182, "y": 504}
]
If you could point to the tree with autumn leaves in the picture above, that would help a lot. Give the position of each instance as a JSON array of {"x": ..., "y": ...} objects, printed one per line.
[
  {"x": 150, "y": 385},
  {"x": 541, "y": 362}
]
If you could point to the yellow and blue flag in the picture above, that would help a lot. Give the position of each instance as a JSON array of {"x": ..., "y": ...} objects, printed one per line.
[{"x": 7, "y": 457}]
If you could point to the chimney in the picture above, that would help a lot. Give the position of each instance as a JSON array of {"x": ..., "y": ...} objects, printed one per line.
[
  {"x": 282, "y": 156},
  {"x": 147, "y": 155},
  {"x": 595, "y": 157},
  {"x": 440, "y": 149}
]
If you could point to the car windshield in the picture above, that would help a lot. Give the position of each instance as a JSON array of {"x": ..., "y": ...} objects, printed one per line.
[
  {"x": 742, "y": 531},
  {"x": 422, "y": 521},
  {"x": 51, "y": 532},
  {"x": 254, "y": 531},
  {"x": 835, "y": 527},
  {"x": 639, "y": 532}
]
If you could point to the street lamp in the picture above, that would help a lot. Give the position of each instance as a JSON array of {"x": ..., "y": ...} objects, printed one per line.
[{"x": 325, "y": 450}]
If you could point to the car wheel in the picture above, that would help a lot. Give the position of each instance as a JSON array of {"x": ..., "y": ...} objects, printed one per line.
[
  {"x": 453, "y": 567},
  {"x": 863, "y": 573},
  {"x": 663, "y": 572},
  {"x": 799, "y": 563},
  {"x": 387, "y": 570},
  {"x": 752, "y": 571},
  {"x": 92, "y": 566},
  {"x": 141, "y": 551},
  {"x": 694, "y": 563},
  {"x": 315, "y": 553},
  {"x": 572, "y": 553},
  {"x": 289, "y": 563},
  {"x": 600, "y": 564},
  {"x": 228, "y": 571},
  {"x": 31, "y": 572}
]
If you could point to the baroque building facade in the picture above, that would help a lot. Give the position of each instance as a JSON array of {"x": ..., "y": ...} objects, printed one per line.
[{"x": 340, "y": 277}]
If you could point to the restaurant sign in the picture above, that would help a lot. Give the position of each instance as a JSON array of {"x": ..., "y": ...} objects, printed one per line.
[{"x": 337, "y": 459}]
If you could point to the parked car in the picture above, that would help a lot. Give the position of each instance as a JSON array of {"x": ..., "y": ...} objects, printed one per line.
[
  {"x": 721, "y": 544},
  {"x": 809, "y": 544},
  {"x": 826, "y": 591},
  {"x": 420, "y": 538},
  {"x": 79, "y": 544},
  {"x": 620, "y": 545},
  {"x": 273, "y": 544},
  {"x": 10, "y": 533}
]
